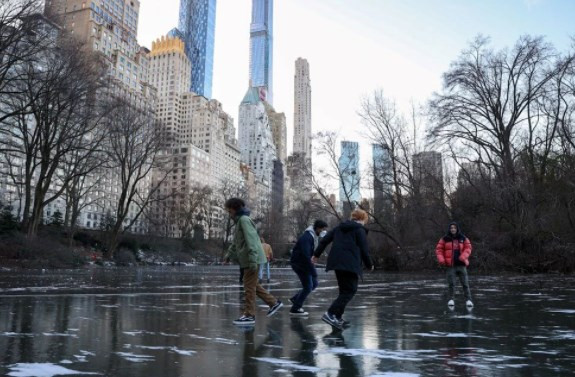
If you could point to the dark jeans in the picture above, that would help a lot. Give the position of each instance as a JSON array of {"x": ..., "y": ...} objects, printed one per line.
[
  {"x": 347, "y": 282},
  {"x": 241, "y": 275},
  {"x": 461, "y": 273},
  {"x": 308, "y": 284}
]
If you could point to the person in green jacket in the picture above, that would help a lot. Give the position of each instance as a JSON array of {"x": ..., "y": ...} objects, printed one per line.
[{"x": 247, "y": 249}]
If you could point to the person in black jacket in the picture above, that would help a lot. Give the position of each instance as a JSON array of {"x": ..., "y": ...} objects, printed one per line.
[
  {"x": 348, "y": 252},
  {"x": 301, "y": 264}
]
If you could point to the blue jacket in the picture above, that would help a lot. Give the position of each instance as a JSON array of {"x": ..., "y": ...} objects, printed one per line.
[
  {"x": 349, "y": 248},
  {"x": 303, "y": 251}
]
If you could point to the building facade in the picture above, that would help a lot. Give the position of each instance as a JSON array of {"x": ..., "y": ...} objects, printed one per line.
[
  {"x": 302, "y": 138},
  {"x": 279, "y": 131},
  {"x": 197, "y": 26},
  {"x": 170, "y": 74},
  {"x": 261, "y": 48},
  {"x": 256, "y": 141},
  {"x": 110, "y": 27}
]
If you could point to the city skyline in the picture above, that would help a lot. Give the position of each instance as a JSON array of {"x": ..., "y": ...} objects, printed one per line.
[{"x": 406, "y": 61}]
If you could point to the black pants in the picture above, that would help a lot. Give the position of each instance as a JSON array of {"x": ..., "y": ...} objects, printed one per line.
[
  {"x": 347, "y": 282},
  {"x": 241, "y": 275}
]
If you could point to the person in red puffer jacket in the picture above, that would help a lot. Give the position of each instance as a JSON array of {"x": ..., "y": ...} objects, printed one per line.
[{"x": 453, "y": 251}]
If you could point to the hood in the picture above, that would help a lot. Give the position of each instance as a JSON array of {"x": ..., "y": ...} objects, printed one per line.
[
  {"x": 242, "y": 212},
  {"x": 349, "y": 225},
  {"x": 311, "y": 230},
  {"x": 459, "y": 233}
]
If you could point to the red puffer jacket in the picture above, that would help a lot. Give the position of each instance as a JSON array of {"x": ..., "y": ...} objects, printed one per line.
[{"x": 444, "y": 251}]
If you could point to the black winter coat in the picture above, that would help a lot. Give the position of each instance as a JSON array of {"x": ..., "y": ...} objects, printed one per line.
[
  {"x": 302, "y": 253},
  {"x": 349, "y": 248}
]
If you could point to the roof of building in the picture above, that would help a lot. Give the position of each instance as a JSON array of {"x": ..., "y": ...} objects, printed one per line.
[{"x": 252, "y": 96}]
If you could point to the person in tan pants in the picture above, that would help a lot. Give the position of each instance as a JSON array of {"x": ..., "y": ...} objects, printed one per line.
[{"x": 247, "y": 249}]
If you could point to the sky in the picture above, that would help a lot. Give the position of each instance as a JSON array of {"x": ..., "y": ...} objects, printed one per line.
[{"x": 357, "y": 46}]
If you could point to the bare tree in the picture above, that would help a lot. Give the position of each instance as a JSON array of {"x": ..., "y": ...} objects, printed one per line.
[
  {"x": 133, "y": 150},
  {"x": 58, "y": 120}
]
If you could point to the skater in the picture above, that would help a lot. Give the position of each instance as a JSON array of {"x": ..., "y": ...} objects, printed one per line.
[
  {"x": 348, "y": 252},
  {"x": 269, "y": 255},
  {"x": 250, "y": 254},
  {"x": 453, "y": 251},
  {"x": 302, "y": 265}
]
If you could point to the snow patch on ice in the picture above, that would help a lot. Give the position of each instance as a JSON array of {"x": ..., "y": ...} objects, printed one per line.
[
  {"x": 437, "y": 334},
  {"x": 42, "y": 370},
  {"x": 287, "y": 364},
  {"x": 172, "y": 349},
  {"x": 394, "y": 374},
  {"x": 135, "y": 358},
  {"x": 59, "y": 334},
  {"x": 564, "y": 311}
]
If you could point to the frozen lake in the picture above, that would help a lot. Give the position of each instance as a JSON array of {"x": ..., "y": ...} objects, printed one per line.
[{"x": 178, "y": 322}]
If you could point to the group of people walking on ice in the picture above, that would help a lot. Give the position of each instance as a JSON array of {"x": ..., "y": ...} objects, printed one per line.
[{"x": 348, "y": 257}]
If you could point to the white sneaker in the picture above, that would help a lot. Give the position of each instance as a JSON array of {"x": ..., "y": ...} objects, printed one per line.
[
  {"x": 469, "y": 304},
  {"x": 451, "y": 303}
]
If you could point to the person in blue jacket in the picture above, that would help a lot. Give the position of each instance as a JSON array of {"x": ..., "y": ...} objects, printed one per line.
[{"x": 302, "y": 265}]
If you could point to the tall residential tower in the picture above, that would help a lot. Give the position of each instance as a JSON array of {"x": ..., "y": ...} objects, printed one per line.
[
  {"x": 261, "y": 48},
  {"x": 302, "y": 109},
  {"x": 197, "y": 28}
]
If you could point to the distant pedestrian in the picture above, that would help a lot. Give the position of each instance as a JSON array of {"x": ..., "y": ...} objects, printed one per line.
[
  {"x": 302, "y": 265},
  {"x": 348, "y": 252},
  {"x": 269, "y": 255},
  {"x": 453, "y": 251},
  {"x": 250, "y": 254}
]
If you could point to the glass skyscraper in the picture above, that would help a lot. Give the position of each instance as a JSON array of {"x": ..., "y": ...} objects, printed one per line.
[
  {"x": 261, "y": 48},
  {"x": 349, "y": 190},
  {"x": 197, "y": 28}
]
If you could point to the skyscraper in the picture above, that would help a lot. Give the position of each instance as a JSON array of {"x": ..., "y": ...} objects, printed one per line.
[
  {"x": 348, "y": 164},
  {"x": 382, "y": 183},
  {"x": 198, "y": 27},
  {"x": 261, "y": 48},
  {"x": 428, "y": 176},
  {"x": 302, "y": 109},
  {"x": 256, "y": 141}
]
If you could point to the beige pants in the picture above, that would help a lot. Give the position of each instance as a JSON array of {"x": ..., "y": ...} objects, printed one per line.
[{"x": 253, "y": 288}]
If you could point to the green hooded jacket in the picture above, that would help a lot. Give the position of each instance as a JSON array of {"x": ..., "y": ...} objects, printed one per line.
[{"x": 246, "y": 247}]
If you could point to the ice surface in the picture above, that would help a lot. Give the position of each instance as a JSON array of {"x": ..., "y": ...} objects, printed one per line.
[
  {"x": 170, "y": 322},
  {"x": 287, "y": 364}
]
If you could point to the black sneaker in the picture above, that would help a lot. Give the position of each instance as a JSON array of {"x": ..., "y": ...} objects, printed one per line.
[
  {"x": 344, "y": 323},
  {"x": 298, "y": 312},
  {"x": 245, "y": 320},
  {"x": 273, "y": 310},
  {"x": 332, "y": 320}
]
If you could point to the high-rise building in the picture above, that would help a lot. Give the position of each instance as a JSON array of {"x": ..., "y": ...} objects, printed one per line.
[
  {"x": 302, "y": 110},
  {"x": 256, "y": 142},
  {"x": 349, "y": 185},
  {"x": 428, "y": 176},
  {"x": 279, "y": 132},
  {"x": 198, "y": 27},
  {"x": 382, "y": 180},
  {"x": 261, "y": 48},
  {"x": 170, "y": 74},
  {"x": 110, "y": 27}
]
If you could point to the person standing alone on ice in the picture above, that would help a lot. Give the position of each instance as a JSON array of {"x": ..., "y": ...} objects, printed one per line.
[
  {"x": 453, "y": 251},
  {"x": 348, "y": 252},
  {"x": 302, "y": 265},
  {"x": 269, "y": 256},
  {"x": 248, "y": 249}
]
